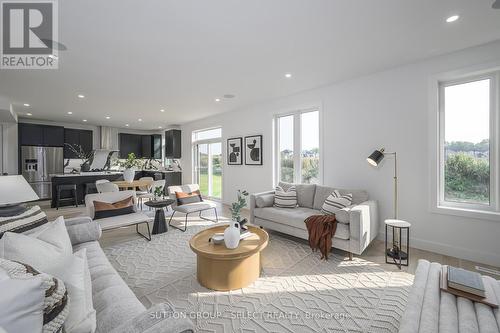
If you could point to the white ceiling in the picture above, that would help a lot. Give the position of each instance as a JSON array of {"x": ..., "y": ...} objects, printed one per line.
[{"x": 132, "y": 58}]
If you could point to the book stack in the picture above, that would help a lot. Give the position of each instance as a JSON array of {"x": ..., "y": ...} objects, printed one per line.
[{"x": 467, "y": 284}]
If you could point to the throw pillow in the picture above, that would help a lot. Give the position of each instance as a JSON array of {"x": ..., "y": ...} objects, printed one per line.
[
  {"x": 21, "y": 303},
  {"x": 184, "y": 198},
  {"x": 285, "y": 199},
  {"x": 335, "y": 202},
  {"x": 75, "y": 274},
  {"x": 106, "y": 209},
  {"x": 37, "y": 250},
  {"x": 30, "y": 219},
  {"x": 55, "y": 305}
]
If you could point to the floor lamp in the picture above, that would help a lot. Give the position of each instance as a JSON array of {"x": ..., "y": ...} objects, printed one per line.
[{"x": 374, "y": 159}]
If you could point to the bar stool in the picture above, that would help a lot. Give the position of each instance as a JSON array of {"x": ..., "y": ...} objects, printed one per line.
[
  {"x": 66, "y": 187},
  {"x": 90, "y": 188}
]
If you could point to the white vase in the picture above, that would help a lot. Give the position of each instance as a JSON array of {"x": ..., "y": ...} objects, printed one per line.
[
  {"x": 232, "y": 235},
  {"x": 128, "y": 175}
]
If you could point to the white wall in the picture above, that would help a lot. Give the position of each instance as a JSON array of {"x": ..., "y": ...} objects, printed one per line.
[{"x": 384, "y": 109}]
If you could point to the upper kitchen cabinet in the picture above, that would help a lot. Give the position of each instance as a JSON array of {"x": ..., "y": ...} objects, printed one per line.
[
  {"x": 82, "y": 138},
  {"x": 130, "y": 143},
  {"x": 173, "y": 143},
  {"x": 41, "y": 135},
  {"x": 156, "y": 146}
]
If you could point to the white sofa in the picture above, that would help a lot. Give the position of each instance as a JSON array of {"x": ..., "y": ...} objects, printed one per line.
[
  {"x": 431, "y": 310},
  {"x": 117, "y": 308},
  {"x": 114, "y": 222},
  {"x": 357, "y": 224}
]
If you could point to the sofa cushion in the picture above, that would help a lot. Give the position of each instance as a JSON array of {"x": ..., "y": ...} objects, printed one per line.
[
  {"x": 30, "y": 219},
  {"x": 264, "y": 200},
  {"x": 123, "y": 220},
  {"x": 336, "y": 202},
  {"x": 342, "y": 215},
  {"x": 285, "y": 198},
  {"x": 195, "y": 207},
  {"x": 305, "y": 193},
  {"x": 295, "y": 218},
  {"x": 113, "y": 300},
  {"x": 322, "y": 192}
]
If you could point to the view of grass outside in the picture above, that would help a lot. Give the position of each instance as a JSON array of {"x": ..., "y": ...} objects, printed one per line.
[
  {"x": 467, "y": 147},
  {"x": 467, "y": 172},
  {"x": 216, "y": 183},
  {"x": 216, "y": 174}
]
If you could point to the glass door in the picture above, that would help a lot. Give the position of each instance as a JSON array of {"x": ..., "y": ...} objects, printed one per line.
[{"x": 208, "y": 169}]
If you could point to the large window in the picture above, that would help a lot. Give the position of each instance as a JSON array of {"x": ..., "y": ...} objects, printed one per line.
[
  {"x": 468, "y": 143},
  {"x": 297, "y": 147},
  {"x": 207, "y": 162}
]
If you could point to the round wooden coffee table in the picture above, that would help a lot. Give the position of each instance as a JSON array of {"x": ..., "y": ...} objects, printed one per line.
[{"x": 220, "y": 268}]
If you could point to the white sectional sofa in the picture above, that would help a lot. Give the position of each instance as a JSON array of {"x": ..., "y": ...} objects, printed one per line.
[{"x": 357, "y": 224}]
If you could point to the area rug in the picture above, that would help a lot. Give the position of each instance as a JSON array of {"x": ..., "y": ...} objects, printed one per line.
[{"x": 297, "y": 292}]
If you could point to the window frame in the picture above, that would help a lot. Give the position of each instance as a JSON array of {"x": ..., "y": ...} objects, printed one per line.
[
  {"x": 194, "y": 159},
  {"x": 464, "y": 208},
  {"x": 297, "y": 142}
]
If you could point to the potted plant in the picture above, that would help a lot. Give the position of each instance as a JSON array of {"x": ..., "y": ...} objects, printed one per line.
[
  {"x": 129, "y": 166},
  {"x": 238, "y": 205},
  {"x": 158, "y": 192}
]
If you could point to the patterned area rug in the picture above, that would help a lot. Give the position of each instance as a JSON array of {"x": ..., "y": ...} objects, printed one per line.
[{"x": 297, "y": 292}]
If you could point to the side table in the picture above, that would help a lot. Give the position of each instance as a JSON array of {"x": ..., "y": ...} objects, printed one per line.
[
  {"x": 160, "y": 225},
  {"x": 399, "y": 252}
]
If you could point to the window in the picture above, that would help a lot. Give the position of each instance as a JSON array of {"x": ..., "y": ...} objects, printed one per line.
[
  {"x": 297, "y": 147},
  {"x": 468, "y": 135},
  {"x": 207, "y": 161}
]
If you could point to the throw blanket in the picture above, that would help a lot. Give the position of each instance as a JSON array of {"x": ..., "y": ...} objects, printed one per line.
[{"x": 321, "y": 229}]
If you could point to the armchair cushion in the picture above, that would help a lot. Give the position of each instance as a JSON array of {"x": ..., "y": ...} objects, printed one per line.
[
  {"x": 194, "y": 207},
  {"x": 106, "y": 209}
]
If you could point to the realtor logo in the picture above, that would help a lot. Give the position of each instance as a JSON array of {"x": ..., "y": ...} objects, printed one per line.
[{"x": 29, "y": 31}]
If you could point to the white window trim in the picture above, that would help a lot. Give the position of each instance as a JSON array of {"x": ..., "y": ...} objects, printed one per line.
[
  {"x": 296, "y": 144},
  {"x": 194, "y": 158},
  {"x": 436, "y": 124}
]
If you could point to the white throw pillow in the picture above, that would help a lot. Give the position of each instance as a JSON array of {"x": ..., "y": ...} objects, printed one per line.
[
  {"x": 74, "y": 272},
  {"x": 285, "y": 199},
  {"x": 40, "y": 248},
  {"x": 336, "y": 202},
  {"x": 21, "y": 304}
]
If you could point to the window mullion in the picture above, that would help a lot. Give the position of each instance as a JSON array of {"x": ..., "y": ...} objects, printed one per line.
[{"x": 296, "y": 148}]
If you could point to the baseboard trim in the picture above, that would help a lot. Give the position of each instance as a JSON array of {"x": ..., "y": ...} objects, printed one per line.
[{"x": 453, "y": 251}]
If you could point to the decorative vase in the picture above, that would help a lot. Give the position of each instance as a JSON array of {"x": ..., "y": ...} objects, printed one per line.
[
  {"x": 128, "y": 175},
  {"x": 232, "y": 235}
]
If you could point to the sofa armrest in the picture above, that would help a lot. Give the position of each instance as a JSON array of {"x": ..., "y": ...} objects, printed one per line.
[
  {"x": 363, "y": 224},
  {"x": 158, "y": 319},
  {"x": 252, "y": 204},
  {"x": 82, "y": 229}
]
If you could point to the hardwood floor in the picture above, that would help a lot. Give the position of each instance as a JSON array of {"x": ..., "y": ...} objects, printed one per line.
[{"x": 374, "y": 253}]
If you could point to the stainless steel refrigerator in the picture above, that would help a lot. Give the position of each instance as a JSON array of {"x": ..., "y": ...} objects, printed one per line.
[{"x": 38, "y": 163}]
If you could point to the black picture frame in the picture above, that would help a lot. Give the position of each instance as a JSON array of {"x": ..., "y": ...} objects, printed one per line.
[
  {"x": 233, "y": 145},
  {"x": 253, "y": 150}
]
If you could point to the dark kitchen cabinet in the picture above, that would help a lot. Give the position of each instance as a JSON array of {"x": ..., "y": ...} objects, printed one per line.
[
  {"x": 82, "y": 138},
  {"x": 143, "y": 146},
  {"x": 130, "y": 143},
  {"x": 41, "y": 135},
  {"x": 173, "y": 143}
]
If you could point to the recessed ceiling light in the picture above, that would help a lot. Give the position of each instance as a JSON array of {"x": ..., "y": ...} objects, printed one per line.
[
  {"x": 69, "y": 112},
  {"x": 217, "y": 99},
  {"x": 81, "y": 96},
  {"x": 288, "y": 75},
  {"x": 26, "y": 105},
  {"x": 452, "y": 18},
  {"x": 228, "y": 96},
  {"x": 127, "y": 125},
  {"x": 159, "y": 127},
  {"x": 29, "y": 114},
  {"x": 108, "y": 117},
  {"x": 84, "y": 120},
  {"x": 139, "y": 119},
  {"x": 162, "y": 110}
]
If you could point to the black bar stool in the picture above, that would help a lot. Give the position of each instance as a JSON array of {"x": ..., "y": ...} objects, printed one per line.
[
  {"x": 90, "y": 188},
  {"x": 66, "y": 187}
]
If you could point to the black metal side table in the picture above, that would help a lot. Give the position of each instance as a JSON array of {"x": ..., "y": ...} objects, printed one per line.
[
  {"x": 399, "y": 252},
  {"x": 160, "y": 225}
]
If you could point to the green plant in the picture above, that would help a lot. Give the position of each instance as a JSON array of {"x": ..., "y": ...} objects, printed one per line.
[
  {"x": 467, "y": 178},
  {"x": 238, "y": 205},
  {"x": 158, "y": 191},
  {"x": 130, "y": 163}
]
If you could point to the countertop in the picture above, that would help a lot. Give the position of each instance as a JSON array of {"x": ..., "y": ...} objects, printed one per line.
[{"x": 102, "y": 173}]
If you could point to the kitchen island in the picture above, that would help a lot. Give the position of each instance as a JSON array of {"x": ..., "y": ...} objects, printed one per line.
[{"x": 83, "y": 178}]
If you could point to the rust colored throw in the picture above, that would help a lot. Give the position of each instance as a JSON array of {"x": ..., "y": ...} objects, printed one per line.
[{"x": 321, "y": 229}]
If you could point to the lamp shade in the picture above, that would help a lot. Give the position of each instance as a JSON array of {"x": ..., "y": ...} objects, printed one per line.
[
  {"x": 14, "y": 190},
  {"x": 376, "y": 157}
]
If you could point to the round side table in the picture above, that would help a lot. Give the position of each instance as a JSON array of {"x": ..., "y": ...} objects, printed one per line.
[
  {"x": 160, "y": 225},
  {"x": 399, "y": 252}
]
